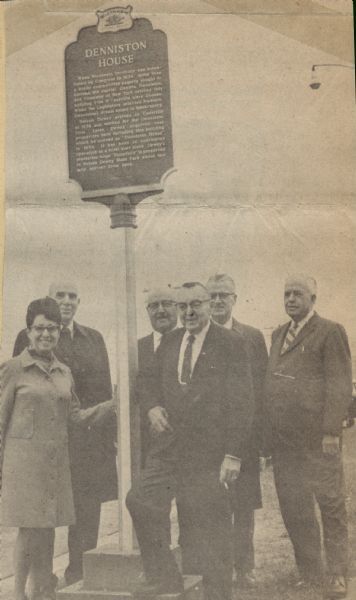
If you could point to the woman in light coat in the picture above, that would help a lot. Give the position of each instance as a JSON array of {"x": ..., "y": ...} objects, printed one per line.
[{"x": 37, "y": 405}]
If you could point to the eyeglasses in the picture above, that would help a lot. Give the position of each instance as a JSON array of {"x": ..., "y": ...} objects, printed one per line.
[
  {"x": 154, "y": 306},
  {"x": 41, "y": 329},
  {"x": 62, "y": 295},
  {"x": 194, "y": 304},
  {"x": 221, "y": 295}
]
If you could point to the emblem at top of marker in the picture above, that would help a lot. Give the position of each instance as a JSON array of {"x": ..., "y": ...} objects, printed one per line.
[{"x": 114, "y": 19}]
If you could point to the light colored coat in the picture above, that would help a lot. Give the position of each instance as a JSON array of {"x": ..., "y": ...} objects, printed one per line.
[{"x": 36, "y": 407}]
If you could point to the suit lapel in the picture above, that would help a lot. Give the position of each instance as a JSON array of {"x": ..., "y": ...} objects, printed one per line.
[
  {"x": 305, "y": 331},
  {"x": 150, "y": 344},
  {"x": 206, "y": 350},
  {"x": 172, "y": 349},
  {"x": 279, "y": 341},
  {"x": 236, "y": 326}
]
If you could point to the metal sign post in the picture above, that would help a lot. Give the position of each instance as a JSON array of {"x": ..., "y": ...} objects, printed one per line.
[
  {"x": 126, "y": 362},
  {"x": 120, "y": 151}
]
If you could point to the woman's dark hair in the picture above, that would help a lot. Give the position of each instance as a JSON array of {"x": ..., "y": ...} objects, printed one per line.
[{"x": 43, "y": 306}]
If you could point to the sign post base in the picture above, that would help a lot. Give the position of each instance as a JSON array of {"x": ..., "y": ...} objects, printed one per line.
[{"x": 111, "y": 575}]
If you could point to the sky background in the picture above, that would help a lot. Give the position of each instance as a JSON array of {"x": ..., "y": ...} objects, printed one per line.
[{"x": 264, "y": 183}]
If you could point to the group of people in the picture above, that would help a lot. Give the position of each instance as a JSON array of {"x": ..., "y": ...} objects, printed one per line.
[{"x": 212, "y": 405}]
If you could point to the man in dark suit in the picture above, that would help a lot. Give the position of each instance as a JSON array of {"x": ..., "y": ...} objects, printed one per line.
[
  {"x": 308, "y": 390},
  {"x": 92, "y": 451},
  {"x": 197, "y": 398},
  {"x": 248, "y": 495},
  {"x": 162, "y": 312}
]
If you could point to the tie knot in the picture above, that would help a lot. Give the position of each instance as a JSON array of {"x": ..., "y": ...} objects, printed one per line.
[
  {"x": 294, "y": 325},
  {"x": 66, "y": 331},
  {"x": 191, "y": 338}
]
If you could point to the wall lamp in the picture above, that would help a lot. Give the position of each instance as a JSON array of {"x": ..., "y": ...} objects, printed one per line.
[{"x": 315, "y": 85}]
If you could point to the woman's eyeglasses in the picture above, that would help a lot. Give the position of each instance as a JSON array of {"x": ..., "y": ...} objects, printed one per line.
[{"x": 42, "y": 329}]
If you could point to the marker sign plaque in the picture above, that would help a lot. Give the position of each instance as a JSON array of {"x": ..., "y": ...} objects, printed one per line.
[{"x": 118, "y": 106}]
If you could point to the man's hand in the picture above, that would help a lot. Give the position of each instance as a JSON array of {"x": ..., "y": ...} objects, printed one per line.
[
  {"x": 159, "y": 420},
  {"x": 229, "y": 470},
  {"x": 331, "y": 445}
]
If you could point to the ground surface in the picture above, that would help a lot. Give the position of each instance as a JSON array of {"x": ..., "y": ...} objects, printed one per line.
[{"x": 274, "y": 559}]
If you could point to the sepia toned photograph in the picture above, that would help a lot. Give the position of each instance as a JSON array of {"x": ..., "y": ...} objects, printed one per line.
[{"x": 178, "y": 338}]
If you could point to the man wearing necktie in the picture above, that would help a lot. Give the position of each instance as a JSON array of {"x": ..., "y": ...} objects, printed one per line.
[
  {"x": 308, "y": 390},
  {"x": 92, "y": 452},
  {"x": 162, "y": 312},
  {"x": 197, "y": 397},
  {"x": 248, "y": 496}
]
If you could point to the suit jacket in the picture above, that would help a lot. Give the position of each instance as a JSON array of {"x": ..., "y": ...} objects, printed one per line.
[
  {"x": 212, "y": 415},
  {"x": 248, "y": 485},
  {"x": 308, "y": 387},
  {"x": 92, "y": 451},
  {"x": 146, "y": 351}
]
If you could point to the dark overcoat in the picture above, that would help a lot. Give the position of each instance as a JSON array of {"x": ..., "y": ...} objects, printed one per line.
[
  {"x": 210, "y": 417},
  {"x": 308, "y": 387},
  {"x": 92, "y": 451},
  {"x": 36, "y": 407},
  {"x": 248, "y": 486}
]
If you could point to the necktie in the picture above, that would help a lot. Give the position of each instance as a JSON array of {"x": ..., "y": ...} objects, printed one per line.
[
  {"x": 290, "y": 337},
  {"x": 187, "y": 360},
  {"x": 159, "y": 342},
  {"x": 66, "y": 346}
]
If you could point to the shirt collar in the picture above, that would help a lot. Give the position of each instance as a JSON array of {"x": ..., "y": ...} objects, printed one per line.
[
  {"x": 303, "y": 321},
  {"x": 228, "y": 324},
  {"x": 200, "y": 337},
  {"x": 27, "y": 360},
  {"x": 70, "y": 327},
  {"x": 157, "y": 337}
]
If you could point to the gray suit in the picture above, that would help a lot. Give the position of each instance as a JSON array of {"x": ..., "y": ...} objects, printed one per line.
[{"x": 308, "y": 390}]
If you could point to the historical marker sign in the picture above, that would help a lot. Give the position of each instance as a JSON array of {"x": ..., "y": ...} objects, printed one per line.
[{"x": 118, "y": 106}]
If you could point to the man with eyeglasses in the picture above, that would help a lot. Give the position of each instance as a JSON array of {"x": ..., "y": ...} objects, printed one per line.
[
  {"x": 162, "y": 313},
  {"x": 197, "y": 397},
  {"x": 247, "y": 498},
  {"x": 92, "y": 452}
]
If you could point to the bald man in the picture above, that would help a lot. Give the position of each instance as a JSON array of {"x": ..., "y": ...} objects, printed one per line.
[
  {"x": 162, "y": 313},
  {"x": 308, "y": 390},
  {"x": 92, "y": 452}
]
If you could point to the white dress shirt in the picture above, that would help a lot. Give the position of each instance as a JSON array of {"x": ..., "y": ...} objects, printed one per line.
[
  {"x": 196, "y": 349},
  {"x": 228, "y": 324},
  {"x": 156, "y": 340}
]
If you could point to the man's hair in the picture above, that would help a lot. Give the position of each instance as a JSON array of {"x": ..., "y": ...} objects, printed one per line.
[
  {"x": 306, "y": 280},
  {"x": 43, "y": 306},
  {"x": 165, "y": 292},
  {"x": 221, "y": 277},
  {"x": 192, "y": 284},
  {"x": 56, "y": 286}
]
